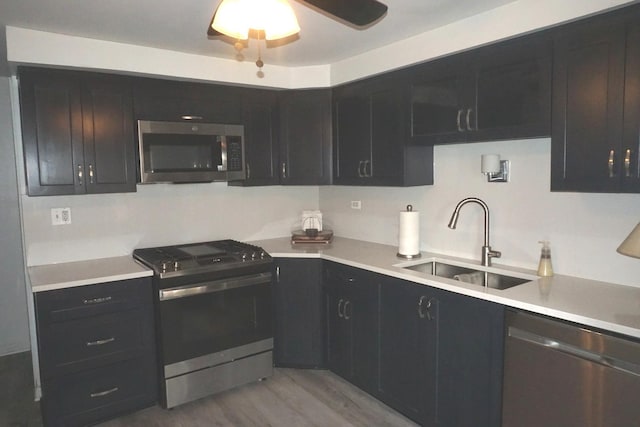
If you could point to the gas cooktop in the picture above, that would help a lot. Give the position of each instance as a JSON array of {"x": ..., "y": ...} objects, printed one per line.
[{"x": 193, "y": 258}]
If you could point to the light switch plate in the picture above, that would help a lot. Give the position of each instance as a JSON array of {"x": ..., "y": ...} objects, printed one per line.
[{"x": 60, "y": 216}]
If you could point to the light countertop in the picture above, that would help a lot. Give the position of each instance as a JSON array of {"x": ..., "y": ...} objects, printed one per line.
[
  {"x": 81, "y": 273},
  {"x": 597, "y": 304}
]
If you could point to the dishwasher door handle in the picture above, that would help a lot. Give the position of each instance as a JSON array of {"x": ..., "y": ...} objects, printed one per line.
[{"x": 601, "y": 359}]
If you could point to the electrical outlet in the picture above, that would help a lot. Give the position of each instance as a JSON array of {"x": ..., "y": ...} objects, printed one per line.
[
  {"x": 356, "y": 204},
  {"x": 60, "y": 216}
]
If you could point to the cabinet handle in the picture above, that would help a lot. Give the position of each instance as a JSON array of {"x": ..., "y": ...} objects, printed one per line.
[
  {"x": 347, "y": 303},
  {"x": 97, "y": 300},
  {"x": 611, "y": 162},
  {"x": 284, "y": 170},
  {"x": 360, "y": 175},
  {"x": 423, "y": 308},
  {"x": 90, "y": 173},
  {"x": 80, "y": 174},
  {"x": 104, "y": 393},
  {"x": 367, "y": 163},
  {"x": 627, "y": 163},
  {"x": 340, "y": 314},
  {"x": 248, "y": 170},
  {"x": 458, "y": 121},
  {"x": 468, "y": 119},
  {"x": 278, "y": 274},
  {"x": 100, "y": 342}
]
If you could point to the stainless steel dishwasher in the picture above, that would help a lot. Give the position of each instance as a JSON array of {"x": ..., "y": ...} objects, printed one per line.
[{"x": 560, "y": 375}]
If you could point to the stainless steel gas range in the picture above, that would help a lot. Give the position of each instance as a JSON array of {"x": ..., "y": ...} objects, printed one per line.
[{"x": 214, "y": 322}]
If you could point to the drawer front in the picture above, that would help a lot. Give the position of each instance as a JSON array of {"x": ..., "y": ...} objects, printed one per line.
[
  {"x": 83, "y": 301},
  {"x": 99, "y": 394},
  {"x": 80, "y": 344}
]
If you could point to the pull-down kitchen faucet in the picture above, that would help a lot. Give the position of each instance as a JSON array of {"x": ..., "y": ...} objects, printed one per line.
[{"x": 487, "y": 253}]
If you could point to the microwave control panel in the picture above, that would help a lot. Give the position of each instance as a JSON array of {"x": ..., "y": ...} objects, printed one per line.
[{"x": 234, "y": 153}]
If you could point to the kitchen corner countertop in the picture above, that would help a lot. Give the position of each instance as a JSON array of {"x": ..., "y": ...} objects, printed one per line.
[
  {"x": 607, "y": 306},
  {"x": 79, "y": 273}
]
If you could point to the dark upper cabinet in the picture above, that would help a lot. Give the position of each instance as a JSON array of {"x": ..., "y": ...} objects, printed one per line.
[
  {"x": 596, "y": 106},
  {"x": 305, "y": 137},
  {"x": 299, "y": 313},
  {"x": 352, "y": 302},
  {"x": 167, "y": 100},
  {"x": 261, "y": 138},
  {"x": 370, "y": 137},
  {"x": 501, "y": 91},
  {"x": 78, "y": 133}
]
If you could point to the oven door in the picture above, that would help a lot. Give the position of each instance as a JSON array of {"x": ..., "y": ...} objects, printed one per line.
[{"x": 205, "y": 324}]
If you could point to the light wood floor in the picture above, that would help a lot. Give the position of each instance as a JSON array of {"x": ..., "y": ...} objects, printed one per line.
[{"x": 292, "y": 397}]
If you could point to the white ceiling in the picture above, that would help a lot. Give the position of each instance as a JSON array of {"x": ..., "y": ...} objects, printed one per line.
[{"x": 181, "y": 25}]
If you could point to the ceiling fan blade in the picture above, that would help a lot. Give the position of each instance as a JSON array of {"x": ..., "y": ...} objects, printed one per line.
[{"x": 357, "y": 12}]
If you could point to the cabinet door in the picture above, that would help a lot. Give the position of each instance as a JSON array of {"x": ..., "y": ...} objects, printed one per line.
[
  {"x": 305, "y": 143},
  {"x": 408, "y": 349},
  {"x": 109, "y": 141},
  {"x": 588, "y": 84},
  {"x": 513, "y": 90},
  {"x": 470, "y": 353},
  {"x": 299, "y": 333},
  {"x": 387, "y": 137},
  {"x": 353, "y": 137},
  {"x": 440, "y": 102},
  {"x": 339, "y": 330},
  {"x": 630, "y": 153},
  {"x": 363, "y": 311},
  {"x": 261, "y": 138},
  {"x": 51, "y": 113}
]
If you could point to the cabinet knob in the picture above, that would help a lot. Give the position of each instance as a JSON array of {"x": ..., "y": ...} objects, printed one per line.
[
  {"x": 80, "y": 174},
  {"x": 627, "y": 163},
  {"x": 610, "y": 163},
  {"x": 459, "y": 121}
]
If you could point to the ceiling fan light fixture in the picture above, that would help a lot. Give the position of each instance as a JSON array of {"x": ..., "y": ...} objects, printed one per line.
[{"x": 236, "y": 18}]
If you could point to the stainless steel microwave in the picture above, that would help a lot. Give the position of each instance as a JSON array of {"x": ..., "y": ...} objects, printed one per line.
[{"x": 190, "y": 152}]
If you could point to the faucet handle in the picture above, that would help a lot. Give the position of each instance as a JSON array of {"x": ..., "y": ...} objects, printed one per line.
[{"x": 487, "y": 254}]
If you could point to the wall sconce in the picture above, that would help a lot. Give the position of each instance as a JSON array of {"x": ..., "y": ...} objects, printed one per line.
[{"x": 496, "y": 170}]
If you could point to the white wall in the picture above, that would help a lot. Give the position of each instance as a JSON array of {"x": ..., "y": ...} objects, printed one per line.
[
  {"x": 14, "y": 330},
  {"x": 159, "y": 214},
  {"x": 584, "y": 229}
]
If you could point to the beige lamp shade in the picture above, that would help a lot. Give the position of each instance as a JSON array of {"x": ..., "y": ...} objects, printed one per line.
[
  {"x": 236, "y": 17},
  {"x": 631, "y": 245}
]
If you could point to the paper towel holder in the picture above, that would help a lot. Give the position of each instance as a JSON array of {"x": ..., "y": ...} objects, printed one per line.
[
  {"x": 416, "y": 256},
  {"x": 494, "y": 168}
]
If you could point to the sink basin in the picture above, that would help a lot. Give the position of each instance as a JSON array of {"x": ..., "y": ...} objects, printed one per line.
[{"x": 468, "y": 274}]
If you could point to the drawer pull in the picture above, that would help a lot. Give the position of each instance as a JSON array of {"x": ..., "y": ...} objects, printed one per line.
[
  {"x": 103, "y": 393},
  {"x": 100, "y": 342},
  {"x": 97, "y": 300},
  {"x": 610, "y": 163},
  {"x": 627, "y": 164}
]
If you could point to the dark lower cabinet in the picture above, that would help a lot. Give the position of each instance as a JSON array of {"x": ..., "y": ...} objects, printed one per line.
[
  {"x": 440, "y": 355},
  {"x": 409, "y": 331},
  {"x": 352, "y": 316},
  {"x": 78, "y": 132},
  {"x": 299, "y": 314},
  {"x": 97, "y": 351}
]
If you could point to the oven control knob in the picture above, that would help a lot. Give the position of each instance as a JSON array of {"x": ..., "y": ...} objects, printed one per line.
[
  {"x": 254, "y": 255},
  {"x": 164, "y": 266},
  {"x": 263, "y": 254},
  {"x": 244, "y": 256},
  {"x": 176, "y": 265}
]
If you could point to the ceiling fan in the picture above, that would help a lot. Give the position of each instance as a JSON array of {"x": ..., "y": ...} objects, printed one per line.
[{"x": 357, "y": 13}]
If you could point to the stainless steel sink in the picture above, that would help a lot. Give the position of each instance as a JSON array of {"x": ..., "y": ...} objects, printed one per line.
[{"x": 468, "y": 274}]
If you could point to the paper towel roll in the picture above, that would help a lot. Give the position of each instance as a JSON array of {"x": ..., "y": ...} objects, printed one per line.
[{"x": 409, "y": 233}]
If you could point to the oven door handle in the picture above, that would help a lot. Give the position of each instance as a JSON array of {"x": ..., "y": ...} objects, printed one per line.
[{"x": 214, "y": 286}]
